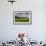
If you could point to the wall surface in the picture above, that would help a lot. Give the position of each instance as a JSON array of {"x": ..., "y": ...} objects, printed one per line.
[{"x": 37, "y": 30}]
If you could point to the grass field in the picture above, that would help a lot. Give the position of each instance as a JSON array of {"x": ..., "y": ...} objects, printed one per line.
[{"x": 21, "y": 19}]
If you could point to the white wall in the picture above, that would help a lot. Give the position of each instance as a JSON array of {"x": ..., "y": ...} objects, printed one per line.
[{"x": 9, "y": 31}]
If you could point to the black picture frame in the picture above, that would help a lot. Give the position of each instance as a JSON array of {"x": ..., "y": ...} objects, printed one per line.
[{"x": 22, "y": 17}]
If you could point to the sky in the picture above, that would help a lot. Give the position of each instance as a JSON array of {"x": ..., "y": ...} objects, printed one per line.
[{"x": 22, "y": 15}]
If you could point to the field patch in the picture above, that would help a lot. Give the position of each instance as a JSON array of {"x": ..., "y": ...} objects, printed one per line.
[{"x": 21, "y": 19}]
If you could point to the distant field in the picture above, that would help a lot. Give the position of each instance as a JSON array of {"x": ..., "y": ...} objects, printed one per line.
[
  {"x": 30, "y": 20},
  {"x": 21, "y": 19}
]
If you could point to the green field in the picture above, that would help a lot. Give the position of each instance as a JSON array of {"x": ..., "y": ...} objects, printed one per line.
[
  {"x": 21, "y": 19},
  {"x": 30, "y": 20}
]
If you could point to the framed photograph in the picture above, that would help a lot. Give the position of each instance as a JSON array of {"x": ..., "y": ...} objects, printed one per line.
[{"x": 22, "y": 17}]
